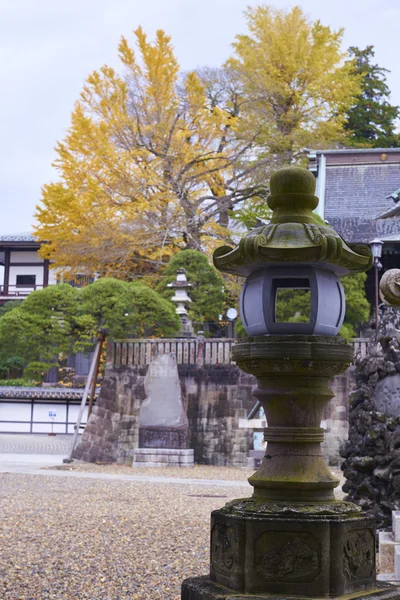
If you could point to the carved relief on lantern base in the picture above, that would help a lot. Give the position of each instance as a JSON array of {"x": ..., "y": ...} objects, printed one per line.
[{"x": 292, "y": 552}]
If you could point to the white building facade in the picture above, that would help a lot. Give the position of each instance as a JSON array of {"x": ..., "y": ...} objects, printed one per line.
[{"x": 23, "y": 269}]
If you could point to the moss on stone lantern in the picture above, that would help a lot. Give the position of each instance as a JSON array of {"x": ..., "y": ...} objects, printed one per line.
[
  {"x": 294, "y": 253},
  {"x": 291, "y": 537},
  {"x": 293, "y": 235}
]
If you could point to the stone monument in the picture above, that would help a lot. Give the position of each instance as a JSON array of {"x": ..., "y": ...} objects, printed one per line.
[
  {"x": 291, "y": 538},
  {"x": 163, "y": 424}
]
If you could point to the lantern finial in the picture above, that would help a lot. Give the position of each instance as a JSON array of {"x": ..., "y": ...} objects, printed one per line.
[{"x": 292, "y": 196}]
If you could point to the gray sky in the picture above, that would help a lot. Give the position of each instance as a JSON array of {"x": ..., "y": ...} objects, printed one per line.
[{"x": 48, "y": 47}]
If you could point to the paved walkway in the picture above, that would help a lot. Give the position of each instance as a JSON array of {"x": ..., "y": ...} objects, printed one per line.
[
  {"x": 30, "y": 454},
  {"x": 16, "y": 443},
  {"x": 33, "y": 468}
]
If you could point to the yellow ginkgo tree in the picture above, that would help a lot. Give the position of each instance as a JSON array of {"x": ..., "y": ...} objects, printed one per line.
[
  {"x": 295, "y": 80},
  {"x": 292, "y": 85},
  {"x": 156, "y": 160},
  {"x": 149, "y": 165}
]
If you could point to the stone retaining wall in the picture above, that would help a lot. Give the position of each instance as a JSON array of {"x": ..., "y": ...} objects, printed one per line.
[
  {"x": 215, "y": 398},
  {"x": 112, "y": 431}
]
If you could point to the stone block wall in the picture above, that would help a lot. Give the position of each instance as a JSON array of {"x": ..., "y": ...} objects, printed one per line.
[
  {"x": 215, "y": 398},
  {"x": 112, "y": 431}
]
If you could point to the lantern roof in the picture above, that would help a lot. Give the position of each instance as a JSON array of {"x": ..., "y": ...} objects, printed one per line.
[
  {"x": 293, "y": 235},
  {"x": 180, "y": 281}
]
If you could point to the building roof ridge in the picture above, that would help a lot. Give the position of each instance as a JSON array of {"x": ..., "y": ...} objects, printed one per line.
[{"x": 354, "y": 151}]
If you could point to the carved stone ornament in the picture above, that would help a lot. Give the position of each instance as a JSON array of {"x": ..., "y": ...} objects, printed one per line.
[
  {"x": 222, "y": 551},
  {"x": 389, "y": 287},
  {"x": 293, "y": 234},
  {"x": 287, "y": 556},
  {"x": 248, "y": 506},
  {"x": 359, "y": 554}
]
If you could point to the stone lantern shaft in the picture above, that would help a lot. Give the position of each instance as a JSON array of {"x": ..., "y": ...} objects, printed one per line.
[{"x": 291, "y": 537}]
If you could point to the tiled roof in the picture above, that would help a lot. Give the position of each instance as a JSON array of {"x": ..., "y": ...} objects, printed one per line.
[
  {"x": 357, "y": 195},
  {"x": 42, "y": 393},
  {"x": 356, "y": 151},
  {"x": 18, "y": 237},
  {"x": 360, "y": 190}
]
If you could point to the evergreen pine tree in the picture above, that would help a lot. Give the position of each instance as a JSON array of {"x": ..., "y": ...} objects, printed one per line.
[{"x": 371, "y": 122}]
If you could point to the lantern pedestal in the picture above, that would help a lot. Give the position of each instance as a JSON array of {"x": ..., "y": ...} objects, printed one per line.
[
  {"x": 202, "y": 588},
  {"x": 292, "y": 538}
]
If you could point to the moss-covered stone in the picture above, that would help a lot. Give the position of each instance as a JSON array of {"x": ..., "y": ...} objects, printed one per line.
[
  {"x": 258, "y": 506},
  {"x": 293, "y": 234}
]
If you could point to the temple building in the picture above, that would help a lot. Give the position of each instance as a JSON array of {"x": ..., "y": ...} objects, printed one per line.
[
  {"x": 23, "y": 269},
  {"x": 359, "y": 192}
]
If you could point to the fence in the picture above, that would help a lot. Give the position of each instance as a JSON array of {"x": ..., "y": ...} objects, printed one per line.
[
  {"x": 18, "y": 291},
  {"x": 196, "y": 351}
]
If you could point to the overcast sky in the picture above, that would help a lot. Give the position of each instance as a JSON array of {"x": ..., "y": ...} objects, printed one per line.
[{"x": 48, "y": 47}]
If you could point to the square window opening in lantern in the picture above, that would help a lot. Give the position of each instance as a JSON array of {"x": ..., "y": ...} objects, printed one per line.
[{"x": 292, "y": 300}]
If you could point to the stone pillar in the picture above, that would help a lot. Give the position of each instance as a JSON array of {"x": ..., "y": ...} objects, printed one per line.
[{"x": 293, "y": 375}]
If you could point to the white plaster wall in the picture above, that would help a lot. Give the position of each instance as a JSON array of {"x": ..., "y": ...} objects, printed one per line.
[
  {"x": 73, "y": 416},
  {"x": 21, "y": 411},
  {"x": 41, "y": 413},
  {"x": 14, "y": 271},
  {"x": 25, "y": 256},
  {"x": 15, "y": 411},
  {"x": 52, "y": 277}
]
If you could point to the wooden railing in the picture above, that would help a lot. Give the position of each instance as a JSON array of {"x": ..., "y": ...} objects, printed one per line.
[
  {"x": 195, "y": 351},
  {"x": 18, "y": 291}
]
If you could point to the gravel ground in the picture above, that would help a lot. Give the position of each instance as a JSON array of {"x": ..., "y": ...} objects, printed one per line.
[
  {"x": 85, "y": 539},
  {"x": 73, "y": 539}
]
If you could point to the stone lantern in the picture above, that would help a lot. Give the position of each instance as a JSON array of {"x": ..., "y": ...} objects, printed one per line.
[
  {"x": 291, "y": 537},
  {"x": 181, "y": 298}
]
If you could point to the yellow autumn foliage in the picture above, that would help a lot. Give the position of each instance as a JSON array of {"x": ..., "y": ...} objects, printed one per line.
[
  {"x": 295, "y": 79},
  {"x": 143, "y": 167},
  {"x": 155, "y": 161}
]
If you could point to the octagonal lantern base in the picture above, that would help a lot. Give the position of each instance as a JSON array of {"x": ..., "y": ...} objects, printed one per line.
[{"x": 268, "y": 549}]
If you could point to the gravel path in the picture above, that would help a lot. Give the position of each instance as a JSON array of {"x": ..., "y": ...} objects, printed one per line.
[
  {"x": 68, "y": 538},
  {"x": 197, "y": 472},
  {"x": 19, "y": 443},
  {"x": 76, "y": 538}
]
